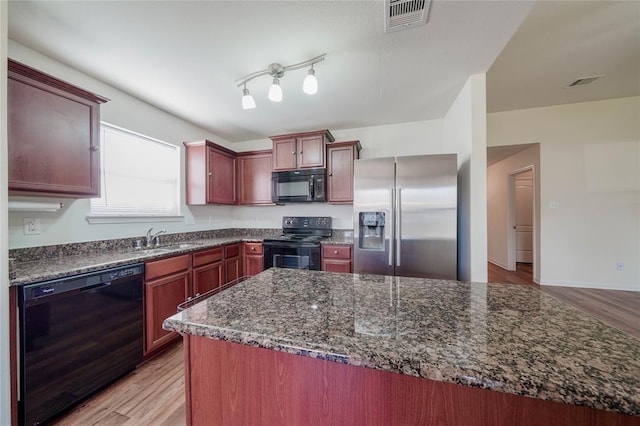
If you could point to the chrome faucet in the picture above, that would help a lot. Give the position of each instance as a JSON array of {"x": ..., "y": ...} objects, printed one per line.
[{"x": 152, "y": 239}]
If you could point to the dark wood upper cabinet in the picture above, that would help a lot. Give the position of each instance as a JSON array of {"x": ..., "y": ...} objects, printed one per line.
[
  {"x": 53, "y": 135},
  {"x": 340, "y": 158},
  {"x": 210, "y": 173},
  {"x": 300, "y": 150},
  {"x": 254, "y": 177}
]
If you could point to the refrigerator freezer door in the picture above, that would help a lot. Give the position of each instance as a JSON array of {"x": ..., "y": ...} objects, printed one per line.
[
  {"x": 373, "y": 193},
  {"x": 426, "y": 222}
]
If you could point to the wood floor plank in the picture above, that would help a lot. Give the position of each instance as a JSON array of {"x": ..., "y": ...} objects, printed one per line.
[
  {"x": 151, "y": 395},
  {"x": 620, "y": 309}
]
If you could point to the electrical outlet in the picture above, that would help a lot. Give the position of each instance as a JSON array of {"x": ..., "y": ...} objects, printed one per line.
[
  {"x": 554, "y": 204},
  {"x": 620, "y": 266},
  {"x": 31, "y": 226}
]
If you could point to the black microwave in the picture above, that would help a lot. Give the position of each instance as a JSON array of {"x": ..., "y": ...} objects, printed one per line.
[{"x": 299, "y": 186}]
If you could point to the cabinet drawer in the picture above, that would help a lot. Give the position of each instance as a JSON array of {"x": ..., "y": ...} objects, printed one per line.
[
  {"x": 252, "y": 248},
  {"x": 205, "y": 257},
  {"x": 232, "y": 250},
  {"x": 170, "y": 265},
  {"x": 336, "y": 252}
]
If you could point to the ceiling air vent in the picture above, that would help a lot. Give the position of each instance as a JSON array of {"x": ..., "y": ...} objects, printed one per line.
[
  {"x": 405, "y": 14},
  {"x": 584, "y": 81}
]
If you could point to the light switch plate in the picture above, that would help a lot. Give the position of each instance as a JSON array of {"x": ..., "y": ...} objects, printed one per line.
[{"x": 31, "y": 226}]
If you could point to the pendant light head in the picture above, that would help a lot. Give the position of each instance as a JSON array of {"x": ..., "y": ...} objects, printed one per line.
[
  {"x": 275, "y": 91},
  {"x": 310, "y": 84},
  {"x": 247, "y": 100}
]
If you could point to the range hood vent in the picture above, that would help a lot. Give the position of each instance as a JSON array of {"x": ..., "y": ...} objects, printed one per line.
[
  {"x": 405, "y": 14},
  {"x": 584, "y": 80}
]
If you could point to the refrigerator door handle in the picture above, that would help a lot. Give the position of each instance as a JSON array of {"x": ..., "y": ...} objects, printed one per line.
[
  {"x": 398, "y": 224},
  {"x": 389, "y": 227}
]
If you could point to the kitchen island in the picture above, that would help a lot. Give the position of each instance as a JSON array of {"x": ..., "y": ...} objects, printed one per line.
[{"x": 307, "y": 347}]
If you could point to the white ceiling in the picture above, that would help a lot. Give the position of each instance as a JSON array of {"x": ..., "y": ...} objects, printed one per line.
[
  {"x": 185, "y": 57},
  {"x": 561, "y": 41}
]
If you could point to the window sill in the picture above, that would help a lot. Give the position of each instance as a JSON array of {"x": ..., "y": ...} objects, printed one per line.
[{"x": 100, "y": 219}]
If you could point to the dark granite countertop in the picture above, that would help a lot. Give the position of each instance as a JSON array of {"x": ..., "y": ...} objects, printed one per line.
[
  {"x": 50, "y": 268},
  {"x": 503, "y": 337}
]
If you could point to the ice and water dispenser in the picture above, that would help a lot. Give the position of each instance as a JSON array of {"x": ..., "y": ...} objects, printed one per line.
[{"x": 371, "y": 230}]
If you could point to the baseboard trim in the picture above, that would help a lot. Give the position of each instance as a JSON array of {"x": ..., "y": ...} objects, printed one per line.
[
  {"x": 589, "y": 284},
  {"x": 500, "y": 264}
]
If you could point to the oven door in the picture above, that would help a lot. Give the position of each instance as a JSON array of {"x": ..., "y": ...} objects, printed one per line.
[{"x": 293, "y": 256}]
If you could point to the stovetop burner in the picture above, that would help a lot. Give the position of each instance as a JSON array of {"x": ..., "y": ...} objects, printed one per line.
[{"x": 303, "y": 229}]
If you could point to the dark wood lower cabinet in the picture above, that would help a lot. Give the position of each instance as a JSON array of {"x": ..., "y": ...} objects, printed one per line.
[
  {"x": 253, "y": 259},
  {"x": 336, "y": 258},
  {"x": 162, "y": 296},
  {"x": 208, "y": 270},
  {"x": 232, "y": 262},
  {"x": 232, "y": 384}
]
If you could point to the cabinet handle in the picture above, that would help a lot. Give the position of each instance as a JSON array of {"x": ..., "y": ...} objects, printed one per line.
[{"x": 95, "y": 148}]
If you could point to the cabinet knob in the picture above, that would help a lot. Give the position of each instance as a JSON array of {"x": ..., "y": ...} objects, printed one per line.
[
  {"x": 95, "y": 148},
  {"x": 210, "y": 174},
  {"x": 293, "y": 153},
  {"x": 335, "y": 252},
  {"x": 300, "y": 152},
  {"x": 253, "y": 248}
]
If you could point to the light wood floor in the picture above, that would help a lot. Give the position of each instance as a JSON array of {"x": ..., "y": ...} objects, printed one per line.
[
  {"x": 154, "y": 393},
  {"x": 620, "y": 309},
  {"x": 151, "y": 395}
]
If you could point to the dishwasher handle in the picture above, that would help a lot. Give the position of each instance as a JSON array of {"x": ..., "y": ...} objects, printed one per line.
[{"x": 38, "y": 292}]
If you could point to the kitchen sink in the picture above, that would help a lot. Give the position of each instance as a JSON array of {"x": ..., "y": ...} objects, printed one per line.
[
  {"x": 179, "y": 246},
  {"x": 167, "y": 248}
]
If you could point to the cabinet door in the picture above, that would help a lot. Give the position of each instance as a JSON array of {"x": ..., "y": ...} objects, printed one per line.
[
  {"x": 254, "y": 179},
  {"x": 233, "y": 268},
  {"x": 221, "y": 172},
  {"x": 253, "y": 265},
  {"x": 208, "y": 277},
  {"x": 340, "y": 174},
  {"x": 162, "y": 297},
  {"x": 285, "y": 154},
  {"x": 310, "y": 151},
  {"x": 335, "y": 265},
  {"x": 53, "y": 140}
]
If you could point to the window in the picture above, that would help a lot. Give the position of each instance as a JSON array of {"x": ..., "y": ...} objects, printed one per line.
[{"x": 140, "y": 176}]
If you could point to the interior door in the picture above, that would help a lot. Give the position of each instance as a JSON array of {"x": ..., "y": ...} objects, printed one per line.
[{"x": 524, "y": 217}]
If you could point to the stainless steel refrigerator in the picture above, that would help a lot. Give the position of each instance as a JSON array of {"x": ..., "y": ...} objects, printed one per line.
[{"x": 405, "y": 216}]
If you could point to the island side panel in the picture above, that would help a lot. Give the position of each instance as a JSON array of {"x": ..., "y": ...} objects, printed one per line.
[{"x": 233, "y": 384}]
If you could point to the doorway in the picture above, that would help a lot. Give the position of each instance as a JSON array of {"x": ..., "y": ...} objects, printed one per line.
[{"x": 521, "y": 220}]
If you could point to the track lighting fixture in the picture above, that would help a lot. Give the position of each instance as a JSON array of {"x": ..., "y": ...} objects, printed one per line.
[{"x": 275, "y": 70}]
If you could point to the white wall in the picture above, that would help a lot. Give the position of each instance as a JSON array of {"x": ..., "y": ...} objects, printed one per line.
[
  {"x": 590, "y": 170},
  {"x": 5, "y": 394},
  {"x": 465, "y": 133},
  {"x": 498, "y": 206}
]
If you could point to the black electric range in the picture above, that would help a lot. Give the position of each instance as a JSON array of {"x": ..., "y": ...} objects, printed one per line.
[{"x": 299, "y": 245}]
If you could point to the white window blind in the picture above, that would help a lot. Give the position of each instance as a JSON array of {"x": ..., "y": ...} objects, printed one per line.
[{"x": 140, "y": 175}]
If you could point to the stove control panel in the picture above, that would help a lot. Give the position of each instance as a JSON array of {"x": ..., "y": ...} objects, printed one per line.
[{"x": 306, "y": 222}]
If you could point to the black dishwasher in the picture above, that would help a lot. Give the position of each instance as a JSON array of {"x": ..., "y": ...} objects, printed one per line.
[{"x": 77, "y": 334}]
